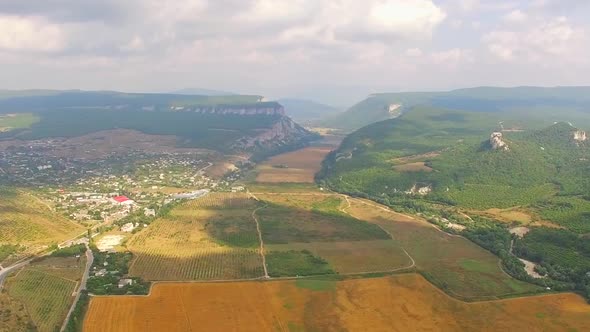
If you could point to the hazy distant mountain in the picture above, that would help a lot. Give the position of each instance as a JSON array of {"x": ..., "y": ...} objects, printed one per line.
[
  {"x": 202, "y": 92},
  {"x": 383, "y": 106},
  {"x": 306, "y": 111},
  {"x": 228, "y": 123}
]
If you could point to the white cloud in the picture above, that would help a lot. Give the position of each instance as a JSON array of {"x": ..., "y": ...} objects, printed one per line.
[
  {"x": 274, "y": 43},
  {"x": 468, "y": 5},
  {"x": 30, "y": 34},
  {"x": 136, "y": 44},
  {"x": 173, "y": 11},
  {"x": 405, "y": 17},
  {"x": 515, "y": 16},
  {"x": 452, "y": 57},
  {"x": 263, "y": 11},
  {"x": 557, "y": 37},
  {"x": 456, "y": 24},
  {"x": 414, "y": 52}
]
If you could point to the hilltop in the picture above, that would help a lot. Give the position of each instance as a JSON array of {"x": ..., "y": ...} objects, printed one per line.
[
  {"x": 507, "y": 181},
  {"x": 232, "y": 123},
  {"x": 524, "y": 100},
  {"x": 461, "y": 158}
]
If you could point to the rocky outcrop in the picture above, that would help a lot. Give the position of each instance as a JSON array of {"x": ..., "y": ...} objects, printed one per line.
[
  {"x": 579, "y": 136},
  {"x": 394, "y": 109},
  {"x": 283, "y": 133},
  {"x": 497, "y": 142},
  {"x": 421, "y": 190}
]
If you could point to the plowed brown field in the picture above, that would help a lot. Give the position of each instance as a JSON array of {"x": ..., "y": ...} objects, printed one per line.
[
  {"x": 398, "y": 303},
  {"x": 297, "y": 166}
]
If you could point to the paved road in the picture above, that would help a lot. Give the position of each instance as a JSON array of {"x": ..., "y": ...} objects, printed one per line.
[{"x": 83, "y": 281}]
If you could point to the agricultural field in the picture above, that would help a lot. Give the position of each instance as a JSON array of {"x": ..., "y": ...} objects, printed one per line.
[
  {"x": 28, "y": 222},
  {"x": 210, "y": 238},
  {"x": 13, "y": 316},
  {"x": 453, "y": 263},
  {"x": 315, "y": 229},
  {"x": 352, "y": 257},
  {"x": 44, "y": 289},
  {"x": 397, "y": 303},
  {"x": 321, "y": 220},
  {"x": 278, "y": 188},
  {"x": 297, "y": 166},
  {"x": 289, "y": 263},
  {"x": 572, "y": 213}
]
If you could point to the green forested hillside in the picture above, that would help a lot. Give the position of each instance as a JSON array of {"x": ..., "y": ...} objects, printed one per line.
[
  {"x": 374, "y": 109},
  {"x": 441, "y": 163},
  {"x": 214, "y": 122},
  {"x": 522, "y": 101},
  {"x": 449, "y": 153}
]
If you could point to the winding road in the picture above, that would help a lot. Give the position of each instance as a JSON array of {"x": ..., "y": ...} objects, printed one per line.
[{"x": 4, "y": 272}]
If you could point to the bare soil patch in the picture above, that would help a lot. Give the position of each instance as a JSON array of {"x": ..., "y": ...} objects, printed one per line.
[
  {"x": 416, "y": 158},
  {"x": 413, "y": 167},
  {"x": 529, "y": 267},
  {"x": 520, "y": 231},
  {"x": 296, "y": 166}
]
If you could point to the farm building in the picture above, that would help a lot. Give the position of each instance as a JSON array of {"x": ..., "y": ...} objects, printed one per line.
[
  {"x": 192, "y": 195},
  {"x": 125, "y": 282},
  {"x": 128, "y": 227},
  {"x": 122, "y": 200}
]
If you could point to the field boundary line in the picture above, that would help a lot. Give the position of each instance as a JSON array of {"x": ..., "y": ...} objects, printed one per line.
[
  {"x": 266, "y": 276},
  {"x": 53, "y": 275},
  {"x": 383, "y": 229},
  {"x": 188, "y": 321}
]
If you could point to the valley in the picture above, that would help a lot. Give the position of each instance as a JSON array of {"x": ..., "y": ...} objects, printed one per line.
[
  {"x": 405, "y": 254},
  {"x": 433, "y": 217}
]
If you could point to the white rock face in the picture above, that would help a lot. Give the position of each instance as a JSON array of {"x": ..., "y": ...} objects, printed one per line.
[
  {"x": 497, "y": 142},
  {"x": 422, "y": 191},
  {"x": 393, "y": 109},
  {"x": 580, "y": 136}
]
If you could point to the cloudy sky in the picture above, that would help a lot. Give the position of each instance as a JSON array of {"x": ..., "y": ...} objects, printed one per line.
[{"x": 335, "y": 51}]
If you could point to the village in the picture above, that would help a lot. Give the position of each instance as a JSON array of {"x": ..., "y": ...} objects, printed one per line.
[{"x": 102, "y": 193}]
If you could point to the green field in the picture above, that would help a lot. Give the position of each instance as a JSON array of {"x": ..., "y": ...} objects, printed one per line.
[
  {"x": 17, "y": 121},
  {"x": 296, "y": 263},
  {"x": 287, "y": 225},
  {"x": 354, "y": 256}
]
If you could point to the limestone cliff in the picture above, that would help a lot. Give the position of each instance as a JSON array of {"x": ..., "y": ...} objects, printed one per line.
[
  {"x": 579, "y": 136},
  {"x": 283, "y": 133},
  {"x": 261, "y": 108},
  {"x": 497, "y": 142}
]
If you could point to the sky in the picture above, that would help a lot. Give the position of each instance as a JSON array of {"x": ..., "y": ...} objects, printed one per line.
[{"x": 333, "y": 51}]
